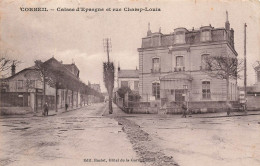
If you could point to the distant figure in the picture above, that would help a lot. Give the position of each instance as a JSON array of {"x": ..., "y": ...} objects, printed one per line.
[
  {"x": 45, "y": 109},
  {"x": 184, "y": 109},
  {"x": 66, "y": 106},
  {"x": 229, "y": 107}
]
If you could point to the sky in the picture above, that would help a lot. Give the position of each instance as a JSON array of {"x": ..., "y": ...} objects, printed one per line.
[{"x": 72, "y": 36}]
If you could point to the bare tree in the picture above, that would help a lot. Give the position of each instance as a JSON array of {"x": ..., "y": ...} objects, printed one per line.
[
  {"x": 223, "y": 67},
  {"x": 6, "y": 62}
]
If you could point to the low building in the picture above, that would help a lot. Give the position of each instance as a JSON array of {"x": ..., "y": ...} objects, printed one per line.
[
  {"x": 253, "y": 92},
  {"x": 25, "y": 88},
  {"x": 128, "y": 78}
]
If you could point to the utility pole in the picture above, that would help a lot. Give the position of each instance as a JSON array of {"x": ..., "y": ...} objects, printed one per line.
[
  {"x": 107, "y": 47},
  {"x": 109, "y": 72},
  {"x": 245, "y": 76}
]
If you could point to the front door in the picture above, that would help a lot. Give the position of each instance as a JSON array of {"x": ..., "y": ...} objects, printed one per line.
[{"x": 179, "y": 95}]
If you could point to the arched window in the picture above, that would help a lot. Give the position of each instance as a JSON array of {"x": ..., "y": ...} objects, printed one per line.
[{"x": 156, "y": 90}]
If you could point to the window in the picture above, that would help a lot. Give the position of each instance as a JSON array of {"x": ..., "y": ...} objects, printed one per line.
[
  {"x": 156, "y": 65},
  {"x": 206, "y": 90},
  {"x": 205, "y": 35},
  {"x": 179, "y": 38},
  {"x": 204, "y": 63},
  {"x": 62, "y": 95},
  {"x": 20, "y": 84},
  {"x": 179, "y": 61},
  {"x": 124, "y": 83},
  {"x": 179, "y": 95},
  {"x": 156, "y": 90},
  {"x": 136, "y": 85},
  {"x": 32, "y": 83}
]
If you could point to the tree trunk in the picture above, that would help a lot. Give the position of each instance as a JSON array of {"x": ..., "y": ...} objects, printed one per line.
[
  {"x": 110, "y": 106},
  {"x": 110, "y": 93},
  {"x": 44, "y": 89},
  {"x": 66, "y": 96},
  {"x": 72, "y": 99},
  {"x": 56, "y": 98},
  {"x": 227, "y": 86}
]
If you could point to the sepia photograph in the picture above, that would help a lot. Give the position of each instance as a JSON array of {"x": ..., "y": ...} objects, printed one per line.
[{"x": 130, "y": 83}]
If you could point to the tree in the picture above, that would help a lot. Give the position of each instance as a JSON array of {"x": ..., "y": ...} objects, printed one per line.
[
  {"x": 223, "y": 67},
  {"x": 6, "y": 62},
  {"x": 109, "y": 72},
  {"x": 122, "y": 91}
]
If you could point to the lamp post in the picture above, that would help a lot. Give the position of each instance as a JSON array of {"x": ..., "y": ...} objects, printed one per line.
[{"x": 185, "y": 87}]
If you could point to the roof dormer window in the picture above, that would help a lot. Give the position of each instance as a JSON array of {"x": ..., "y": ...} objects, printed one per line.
[
  {"x": 205, "y": 33},
  {"x": 180, "y": 37}
]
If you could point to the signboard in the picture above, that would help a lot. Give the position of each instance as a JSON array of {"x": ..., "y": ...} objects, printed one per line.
[{"x": 20, "y": 95}]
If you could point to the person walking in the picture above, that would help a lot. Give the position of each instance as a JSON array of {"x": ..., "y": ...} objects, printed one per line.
[
  {"x": 66, "y": 106},
  {"x": 229, "y": 107},
  {"x": 184, "y": 109},
  {"x": 45, "y": 109}
]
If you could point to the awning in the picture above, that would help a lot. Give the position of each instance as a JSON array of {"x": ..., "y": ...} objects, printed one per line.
[{"x": 176, "y": 81}]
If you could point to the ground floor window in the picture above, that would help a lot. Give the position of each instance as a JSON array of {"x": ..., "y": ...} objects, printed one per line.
[
  {"x": 124, "y": 83},
  {"x": 179, "y": 95},
  {"x": 156, "y": 90},
  {"x": 206, "y": 90}
]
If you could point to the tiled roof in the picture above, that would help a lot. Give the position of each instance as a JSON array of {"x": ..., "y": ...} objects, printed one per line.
[{"x": 128, "y": 73}]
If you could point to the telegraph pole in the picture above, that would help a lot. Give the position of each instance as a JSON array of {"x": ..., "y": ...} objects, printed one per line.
[
  {"x": 245, "y": 76},
  {"x": 107, "y": 47}
]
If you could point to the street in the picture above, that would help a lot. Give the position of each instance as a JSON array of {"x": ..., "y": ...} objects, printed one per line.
[
  {"x": 85, "y": 137},
  {"x": 73, "y": 138}
]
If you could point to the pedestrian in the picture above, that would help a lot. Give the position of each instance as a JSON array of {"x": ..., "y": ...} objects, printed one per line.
[
  {"x": 66, "y": 106},
  {"x": 229, "y": 107},
  {"x": 46, "y": 109},
  {"x": 184, "y": 109}
]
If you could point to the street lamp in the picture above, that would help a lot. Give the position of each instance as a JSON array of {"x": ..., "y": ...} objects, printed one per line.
[{"x": 185, "y": 87}]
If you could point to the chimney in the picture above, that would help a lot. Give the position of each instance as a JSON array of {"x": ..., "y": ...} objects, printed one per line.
[
  {"x": 227, "y": 25},
  {"x": 149, "y": 32},
  {"x": 13, "y": 69},
  {"x": 118, "y": 66}
]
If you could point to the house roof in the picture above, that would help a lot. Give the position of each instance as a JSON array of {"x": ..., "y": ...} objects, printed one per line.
[
  {"x": 25, "y": 69},
  {"x": 128, "y": 74}
]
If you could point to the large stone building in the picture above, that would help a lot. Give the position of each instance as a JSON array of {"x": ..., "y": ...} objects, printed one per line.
[{"x": 171, "y": 66}]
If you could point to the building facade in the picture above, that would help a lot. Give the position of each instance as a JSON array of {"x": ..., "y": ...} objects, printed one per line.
[
  {"x": 128, "y": 78},
  {"x": 25, "y": 88},
  {"x": 172, "y": 66}
]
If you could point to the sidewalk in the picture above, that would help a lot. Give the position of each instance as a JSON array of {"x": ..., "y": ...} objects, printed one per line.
[
  {"x": 116, "y": 111},
  {"x": 39, "y": 113},
  {"x": 54, "y": 113},
  {"x": 224, "y": 114}
]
